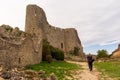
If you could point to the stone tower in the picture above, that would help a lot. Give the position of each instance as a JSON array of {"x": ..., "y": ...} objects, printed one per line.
[{"x": 37, "y": 25}]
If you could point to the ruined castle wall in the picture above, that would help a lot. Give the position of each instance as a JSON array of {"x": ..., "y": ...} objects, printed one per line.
[
  {"x": 17, "y": 55},
  {"x": 56, "y": 37},
  {"x": 28, "y": 54},
  {"x": 34, "y": 25},
  {"x": 72, "y": 40},
  {"x": 8, "y": 54},
  {"x": 35, "y": 20},
  {"x": 64, "y": 39}
]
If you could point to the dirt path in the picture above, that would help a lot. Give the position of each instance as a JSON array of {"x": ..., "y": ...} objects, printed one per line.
[{"x": 84, "y": 74}]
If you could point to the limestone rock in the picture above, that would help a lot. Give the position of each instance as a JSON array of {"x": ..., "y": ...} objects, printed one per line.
[
  {"x": 41, "y": 72},
  {"x": 116, "y": 53},
  {"x": 6, "y": 75},
  {"x": 53, "y": 76}
]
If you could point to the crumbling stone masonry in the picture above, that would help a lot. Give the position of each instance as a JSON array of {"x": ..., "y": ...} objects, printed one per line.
[
  {"x": 18, "y": 48},
  {"x": 64, "y": 39}
]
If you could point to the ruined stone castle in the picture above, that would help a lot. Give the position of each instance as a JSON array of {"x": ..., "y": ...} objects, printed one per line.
[{"x": 18, "y": 48}]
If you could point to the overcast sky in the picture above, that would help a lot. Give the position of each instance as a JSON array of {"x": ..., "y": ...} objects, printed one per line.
[{"x": 97, "y": 21}]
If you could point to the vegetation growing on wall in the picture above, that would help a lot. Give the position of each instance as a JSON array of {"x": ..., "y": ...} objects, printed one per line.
[
  {"x": 75, "y": 51},
  {"x": 49, "y": 52},
  {"x": 56, "y": 53},
  {"x": 46, "y": 51}
]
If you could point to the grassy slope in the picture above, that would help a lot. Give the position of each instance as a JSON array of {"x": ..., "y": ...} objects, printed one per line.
[
  {"x": 60, "y": 68},
  {"x": 112, "y": 69}
]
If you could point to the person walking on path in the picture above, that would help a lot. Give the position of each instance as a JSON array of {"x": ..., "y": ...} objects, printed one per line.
[{"x": 90, "y": 61}]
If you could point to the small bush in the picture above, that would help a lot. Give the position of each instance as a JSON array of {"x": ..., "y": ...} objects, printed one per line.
[
  {"x": 9, "y": 29},
  {"x": 48, "y": 58},
  {"x": 45, "y": 50},
  {"x": 50, "y": 50},
  {"x": 57, "y": 54},
  {"x": 76, "y": 50}
]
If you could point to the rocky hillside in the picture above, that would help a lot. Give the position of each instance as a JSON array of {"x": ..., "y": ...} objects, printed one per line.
[{"x": 116, "y": 53}]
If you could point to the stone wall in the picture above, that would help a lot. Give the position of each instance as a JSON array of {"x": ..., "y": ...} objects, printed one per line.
[
  {"x": 64, "y": 39},
  {"x": 18, "y": 48},
  {"x": 72, "y": 40},
  {"x": 17, "y": 51}
]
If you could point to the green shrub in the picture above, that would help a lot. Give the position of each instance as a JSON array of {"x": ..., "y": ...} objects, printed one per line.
[
  {"x": 102, "y": 54},
  {"x": 45, "y": 50},
  {"x": 76, "y": 50},
  {"x": 50, "y": 50},
  {"x": 57, "y": 54},
  {"x": 8, "y": 29},
  {"x": 48, "y": 58}
]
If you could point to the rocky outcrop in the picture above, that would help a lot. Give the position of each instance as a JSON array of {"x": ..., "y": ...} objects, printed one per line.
[
  {"x": 16, "y": 74},
  {"x": 116, "y": 53},
  {"x": 64, "y": 39}
]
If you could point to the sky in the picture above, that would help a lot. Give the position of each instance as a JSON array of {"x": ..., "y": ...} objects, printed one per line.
[{"x": 96, "y": 21}]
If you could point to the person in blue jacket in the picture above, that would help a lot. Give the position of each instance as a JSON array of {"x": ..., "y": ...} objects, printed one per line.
[{"x": 90, "y": 61}]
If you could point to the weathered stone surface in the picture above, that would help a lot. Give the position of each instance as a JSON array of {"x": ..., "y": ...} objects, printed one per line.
[
  {"x": 64, "y": 39},
  {"x": 16, "y": 50},
  {"x": 6, "y": 75},
  {"x": 116, "y": 53},
  {"x": 53, "y": 76}
]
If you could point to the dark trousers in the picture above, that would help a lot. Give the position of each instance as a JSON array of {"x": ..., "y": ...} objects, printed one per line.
[{"x": 90, "y": 66}]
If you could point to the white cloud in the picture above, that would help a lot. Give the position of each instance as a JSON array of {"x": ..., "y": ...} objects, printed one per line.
[{"x": 110, "y": 42}]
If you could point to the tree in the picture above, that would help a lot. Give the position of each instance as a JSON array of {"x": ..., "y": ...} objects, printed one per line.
[{"x": 102, "y": 54}]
